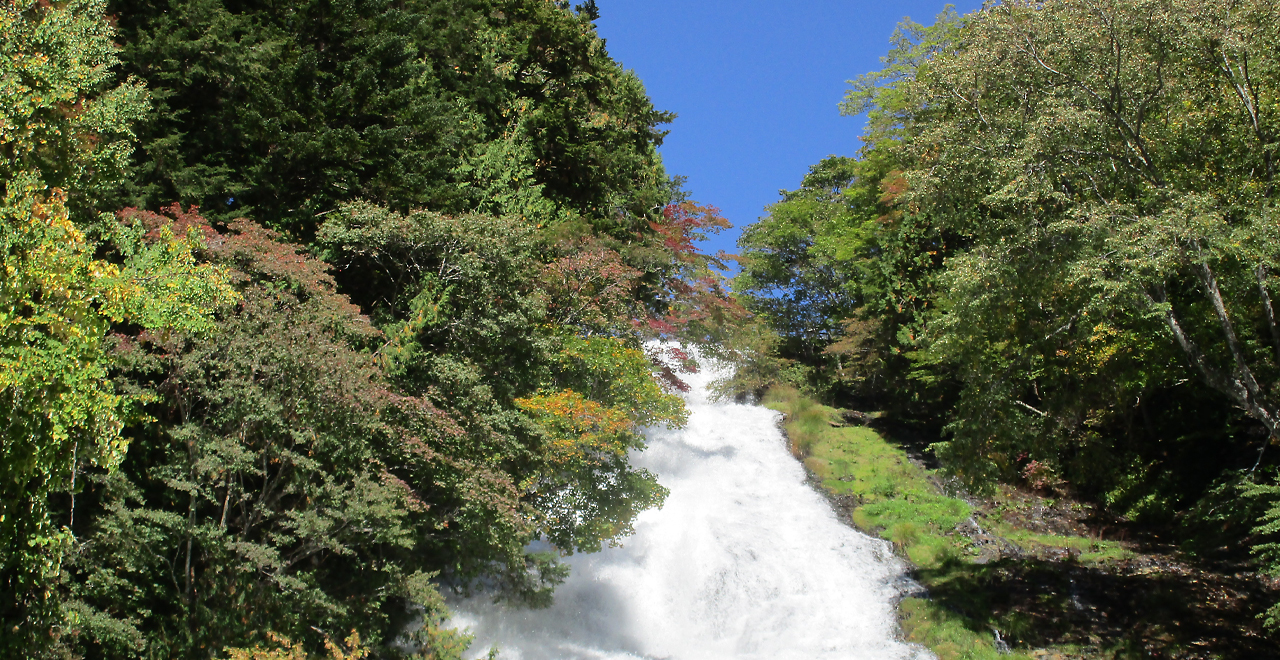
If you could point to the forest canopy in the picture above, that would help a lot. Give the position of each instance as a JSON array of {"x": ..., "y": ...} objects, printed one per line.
[
  {"x": 1056, "y": 253},
  {"x": 312, "y": 310}
]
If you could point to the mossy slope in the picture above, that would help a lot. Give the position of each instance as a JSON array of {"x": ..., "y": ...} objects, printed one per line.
[{"x": 1000, "y": 584}]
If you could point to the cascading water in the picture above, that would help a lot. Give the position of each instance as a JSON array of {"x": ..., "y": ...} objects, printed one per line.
[{"x": 745, "y": 560}]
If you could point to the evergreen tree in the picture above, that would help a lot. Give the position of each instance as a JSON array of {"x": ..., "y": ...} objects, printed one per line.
[{"x": 280, "y": 111}]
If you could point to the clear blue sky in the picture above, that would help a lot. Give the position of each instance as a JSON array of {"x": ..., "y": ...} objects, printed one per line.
[{"x": 755, "y": 85}]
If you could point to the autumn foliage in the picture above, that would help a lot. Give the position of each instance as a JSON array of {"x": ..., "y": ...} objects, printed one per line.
[{"x": 363, "y": 316}]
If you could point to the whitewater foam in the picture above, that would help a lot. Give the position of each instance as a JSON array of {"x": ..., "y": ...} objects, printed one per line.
[{"x": 744, "y": 561}]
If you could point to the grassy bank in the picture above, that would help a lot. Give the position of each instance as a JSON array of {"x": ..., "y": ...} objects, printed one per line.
[{"x": 1018, "y": 575}]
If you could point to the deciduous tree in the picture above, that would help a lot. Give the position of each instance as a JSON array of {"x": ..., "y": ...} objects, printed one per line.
[{"x": 63, "y": 136}]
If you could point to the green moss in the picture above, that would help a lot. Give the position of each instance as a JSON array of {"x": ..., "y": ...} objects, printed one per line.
[
  {"x": 900, "y": 501},
  {"x": 946, "y": 634},
  {"x": 1086, "y": 550}
]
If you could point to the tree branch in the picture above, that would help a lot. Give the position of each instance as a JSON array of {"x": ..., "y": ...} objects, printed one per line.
[
  {"x": 1255, "y": 398},
  {"x": 1216, "y": 379},
  {"x": 1034, "y": 410},
  {"x": 1261, "y": 274}
]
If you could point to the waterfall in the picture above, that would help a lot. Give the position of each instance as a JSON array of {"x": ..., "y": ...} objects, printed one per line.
[{"x": 745, "y": 560}]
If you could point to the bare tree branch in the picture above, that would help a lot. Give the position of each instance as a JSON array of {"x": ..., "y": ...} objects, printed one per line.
[{"x": 1261, "y": 274}]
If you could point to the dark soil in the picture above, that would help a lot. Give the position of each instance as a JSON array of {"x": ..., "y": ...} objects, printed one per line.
[
  {"x": 1158, "y": 603},
  {"x": 1146, "y": 609},
  {"x": 1155, "y": 604}
]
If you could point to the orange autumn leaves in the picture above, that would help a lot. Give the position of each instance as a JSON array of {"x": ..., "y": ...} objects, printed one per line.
[
  {"x": 604, "y": 393},
  {"x": 580, "y": 430}
]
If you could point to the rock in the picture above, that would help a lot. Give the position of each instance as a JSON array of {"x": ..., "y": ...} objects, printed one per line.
[
  {"x": 854, "y": 417},
  {"x": 909, "y": 588}
]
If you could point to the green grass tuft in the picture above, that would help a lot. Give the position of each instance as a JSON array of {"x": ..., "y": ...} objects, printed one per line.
[{"x": 900, "y": 501}]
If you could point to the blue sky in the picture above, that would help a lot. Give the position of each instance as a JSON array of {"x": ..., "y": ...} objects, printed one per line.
[{"x": 755, "y": 85}]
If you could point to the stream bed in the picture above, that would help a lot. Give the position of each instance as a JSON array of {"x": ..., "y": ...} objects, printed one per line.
[{"x": 745, "y": 560}]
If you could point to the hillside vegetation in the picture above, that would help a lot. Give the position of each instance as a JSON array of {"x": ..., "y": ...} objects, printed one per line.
[
  {"x": 1025, "y": 571},
  {"x": 311, "y": 308},
  {"x": 1053, "y": 260}
]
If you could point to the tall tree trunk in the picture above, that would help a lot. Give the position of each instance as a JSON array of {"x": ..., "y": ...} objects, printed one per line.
[
  {"x": 1239, "y": 385},
  {"x": 1261, "y": 274}
]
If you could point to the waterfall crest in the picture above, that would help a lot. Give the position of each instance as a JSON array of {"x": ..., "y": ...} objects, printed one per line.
[{"x": 744, "y": 561}]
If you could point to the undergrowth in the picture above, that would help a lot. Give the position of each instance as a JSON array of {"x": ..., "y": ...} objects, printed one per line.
[
  {"x": 967, "y": 615},
  {"x": 896, "y": 501}
]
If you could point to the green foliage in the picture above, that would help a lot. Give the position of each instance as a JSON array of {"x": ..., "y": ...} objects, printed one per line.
[
  {"x": 464, "y": 305},
  {"x": 1060, "y": 207},
  {"x": 283, "y": 111},
  {"x": 752, "y": 349},
  {"x": 275, "y": 472},
  {"x": 841, "y": 269},
  {"x": 1060, "y": 235},
  {"x": 791, "y": 279},
  {"x": 62, "y": 121},
  {"x": 603, "y": 392},
  {"x": 1268, "y": 550},
  {"x": 617, "y": 374},
  {"x": 324, "y": 455},
  {"x": 63, "y": 413},
  {"x": 1121, "y": 252},
  {"x": 64, "y": 137}
]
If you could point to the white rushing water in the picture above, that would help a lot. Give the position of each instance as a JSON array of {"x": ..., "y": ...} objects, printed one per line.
[{"x": 744, "y": 561}]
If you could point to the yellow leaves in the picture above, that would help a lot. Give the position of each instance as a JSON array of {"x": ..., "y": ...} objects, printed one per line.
[
  {"x": 101, "y": 269},
  {"x": 287, "y": 649},
  {"x": 353, "y": 651},
  {"x": 580, "y": 430},
  {"x": 1103, "y": 344},
  {"x": 632, "y": 385},
  {"x": 59, "y": 302},
  {"x": 605, "y": 392},
  {"x": 54, "y": 61},
  {"x": 163, "y": 287}
]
